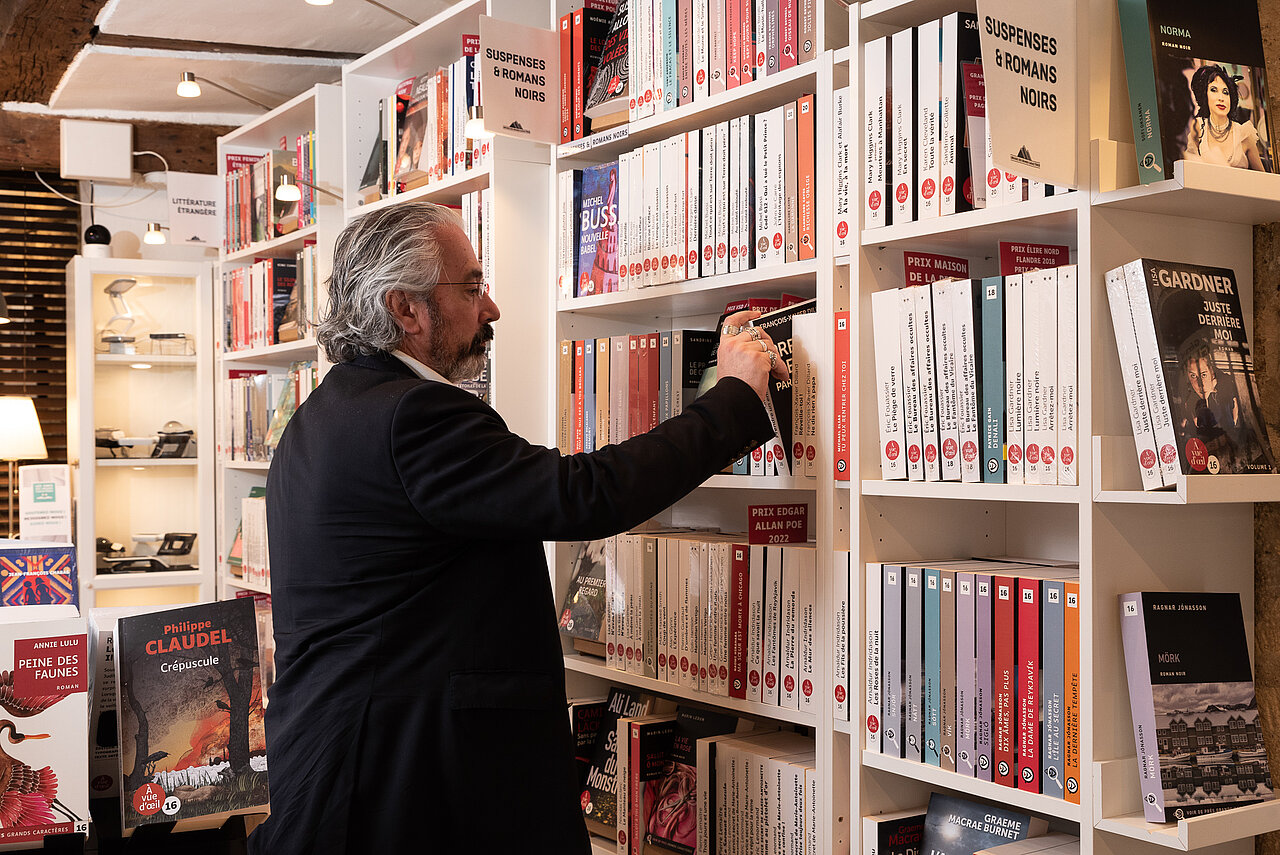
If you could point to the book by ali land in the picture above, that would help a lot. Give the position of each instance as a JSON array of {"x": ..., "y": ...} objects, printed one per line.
[
  {"x": 192, "y": 748},
  {"x": 1195, "y": 715}
]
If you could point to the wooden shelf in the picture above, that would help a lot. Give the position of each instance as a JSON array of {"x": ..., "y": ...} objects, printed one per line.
[
  {"x": 1117, "y": 480},
  {"x": 705, "y": 296},
  {"x": 757, "y": 96},
  {"x": 842, "y": 726},
  {"x": 448, "y": 190},
  {"x": 1055, "y": 494},
  {"x": 992, "y": 792},
  {"x": 281, "y": 246},
  {"x": 275, "y": 354},
  {"x": 596, "y": 668},
  {"x": 1048, "y": 220},
  {"x": 156, "y": 579},
  {"x": 1203, "y": 191}
]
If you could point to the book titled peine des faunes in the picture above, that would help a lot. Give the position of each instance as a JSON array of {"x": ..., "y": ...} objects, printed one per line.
[
  {"x": 192, "y": 747},
  {"x": 44, "y": 678},
  {"x": 955, "y": 826},
  {"x": 1195, "y": 715}
]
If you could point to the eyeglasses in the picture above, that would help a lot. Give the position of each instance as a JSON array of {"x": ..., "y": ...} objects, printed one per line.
[{"x": 475, "y": 290}]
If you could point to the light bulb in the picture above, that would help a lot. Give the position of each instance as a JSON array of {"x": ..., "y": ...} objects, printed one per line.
[
  {"x": 319, "y": 2},
  {"x": 287, "y": 191},
  {"x": 475, "y": 129},
  {"x": 187, "y": 85},
  {"x": 154, "y": 234}
]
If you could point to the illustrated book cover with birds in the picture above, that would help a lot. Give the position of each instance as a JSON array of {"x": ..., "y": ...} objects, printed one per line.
[
  {"x": 44, "y": 739},
  {"x": 1197, "y": 85},
  {"x": 1195, "y": 713},
  {"x": 192, "y": 746},
  {"x": 36, "y": 574}
]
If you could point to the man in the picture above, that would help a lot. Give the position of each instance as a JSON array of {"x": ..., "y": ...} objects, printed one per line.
[{"x": 419, "y": 704}]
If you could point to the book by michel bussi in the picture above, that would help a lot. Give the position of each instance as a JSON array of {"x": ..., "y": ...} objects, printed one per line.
[
  {"x": 1182, "y": 59},
  {"x": 1195, "y": 715},
  {"x": 192, "y": 745}
]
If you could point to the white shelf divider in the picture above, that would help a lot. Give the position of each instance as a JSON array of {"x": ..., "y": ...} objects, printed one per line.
[
  {"x": 1054, "y": 494},
  {"x": 156, "y": 579}
]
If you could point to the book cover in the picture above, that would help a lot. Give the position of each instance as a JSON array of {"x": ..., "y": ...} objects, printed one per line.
[
  {"x": 1004, "y": 680},
  {"x": 982, "y": 678},
  {"x": 778, "y": 325},
  {"x": 1071, "y": 692},
  {"x": 44, "y": 685},
  {"x": 1193, "y": 313},
  {"x": 932, "y": 653},
  {"x": 1135, "y": 390},
  {"x": 566, "y": 77},
  {"x": 902, "y": 89},
  {"x": 1015, "y": 468},
  {"x": 648, "y": 744},
  {"x": 582, "y": 615},
  {"x": 36, "y": 573},
  {"x": 1029, "y": 691},
  {"x": 671, "y": 805},
  {"x": 913, "y": 664},
  {"x": 284, "y": 215},
  {"x": 895, "y": 833},
  {"x": 412, "y": 144},
  {"x": 947, "y": 670},
  {"x": 1197, "y": 85},
  {"x": 607, "y": 93},
  {"x": 598, "y": 231},
  {"x": 600, "y": 792},
  {"x": 585, "y": 718},
  {"x": 1053, "y": 685},
  {"x": 192, "y": 745},
  {"x": 1195, "y": 714},
  {"x": 956, "y": 826}
]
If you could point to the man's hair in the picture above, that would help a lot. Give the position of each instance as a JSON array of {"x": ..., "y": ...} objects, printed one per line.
[{"x": 395, "y": 249}]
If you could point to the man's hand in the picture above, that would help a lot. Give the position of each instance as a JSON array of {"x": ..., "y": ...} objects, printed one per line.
[{"x": 748, "y": 353}]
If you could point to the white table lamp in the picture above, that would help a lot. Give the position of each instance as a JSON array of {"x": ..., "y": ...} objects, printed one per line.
[{"x": 20, "y": 439}]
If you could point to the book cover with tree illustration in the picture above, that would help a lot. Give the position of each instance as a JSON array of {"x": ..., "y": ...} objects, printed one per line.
[{"x": 192, "y": 747}]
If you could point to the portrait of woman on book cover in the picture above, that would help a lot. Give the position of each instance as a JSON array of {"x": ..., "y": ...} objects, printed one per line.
[{"x": 1228, "y": 125}]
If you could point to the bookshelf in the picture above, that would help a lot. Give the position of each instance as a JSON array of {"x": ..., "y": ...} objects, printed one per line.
[
  {"x": 318, "y": 111},
  {"x": 137, "y": 394},
  {"x": 1124, "y": 539}
]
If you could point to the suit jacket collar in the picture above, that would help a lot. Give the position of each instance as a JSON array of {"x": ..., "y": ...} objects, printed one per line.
[{"x": 383, "y": 361}]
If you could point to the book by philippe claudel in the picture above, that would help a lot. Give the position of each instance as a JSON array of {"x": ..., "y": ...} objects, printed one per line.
[
  {"x": 44, "y": 738},
  {"x": 1197, "y": 85},
  {"x": 1195, "y": 715},
  {"x": 192, "y": 746},
  {"x": 956, "y": 826}
]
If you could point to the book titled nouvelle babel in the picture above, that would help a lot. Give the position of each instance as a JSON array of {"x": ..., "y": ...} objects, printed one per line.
[
  {"x": 192, "y": 746},
  {"x": 1195, "y": 716}
]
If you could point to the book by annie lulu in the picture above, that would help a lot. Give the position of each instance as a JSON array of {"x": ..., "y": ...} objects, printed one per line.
[{"x": 192, "y": 747}]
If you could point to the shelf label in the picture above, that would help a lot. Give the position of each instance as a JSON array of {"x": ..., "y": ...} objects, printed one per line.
[
  {"x": 1021, "y": 257},
  {"x": 518, "y": 79},
  {"x": 925, "y": 268},
  {"x": 777, "y": 524}
]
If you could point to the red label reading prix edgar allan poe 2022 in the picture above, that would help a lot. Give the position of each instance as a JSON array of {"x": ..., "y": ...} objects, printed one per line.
[
  {"x": 777, "y": 524},
  {"x": 50, "y": 666}
]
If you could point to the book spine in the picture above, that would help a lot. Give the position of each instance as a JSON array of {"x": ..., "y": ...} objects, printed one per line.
[
  {"x": 1068, "y": 378},
  {"x": 965, "y": 675},
  {"x": 789, "y": 667},
  {"x": 1004, "y": 680},
  {"x": 928, "y": 362},
  {"x": 928, "y": 57},
  {"x": 622, "y": 778},
  {"x": 739, "y": 601},
  {"x": 709, "y": 196},
  {"x": 649, "y": 608},
  {"x": 1035, "y": 361},
  {"x": 806, "y": 190},
  {"x": 755, "y": 624},
  {"x": 759, "y": 41},
  {"x": 746, "y": 28},
  {"x": 947, "y": 670},
  {"x": 913, "y": 665},
  {"x": 1153, "y": 377},
  {"x": 693, "y": 205},
  {"x": 654, "y": 221},
  {"x": 808, "y": 614},
  {"x": 983, "y": 687},
  {"x": 733, "y": 43},
  {"x": 968, "y": 331},
  {"x": 634, "y": 617},
  {"x": 947, "y": 374},
  {"x": 717, "y": 48},
  {"x": 670, "y": 59},
  {"x": 790, "y": 183},
  {"x": 1071, "y": 692},
  {"x": 764, "y": 199},
  {"x": 773, "y": 599},
  {"x": 736, "y": 189},
  {"x": 950, "y": 117},
  {"x": 842, "y": 383},
  {"x": 724, "y": 206},
  {"x": 665, "y": 396},
  {"x": 564, "y": 398},
  {"x": 1052, "y": 686},
  {"x": 657, "y": 39},
  {"x": 875, "y": 189},
  {"x": 1137, "y": 659},
  {"x": 703, "y": 647},
  {"x": 772, "y": 35},
  {"x": 911, "y": 386},
  {"x": 579, "y": 370},
  {"x": 705, "y": 803},
  {"x": 807, "y": 30},
  {"x": 1139, "y": 65},
  {"x": 1028, "y": 682},
  {"x": 891, "y": 603},
  {"x": 993, "y": 383},
  {"x": 873, "y": 735},
  {"x": 701, "y": 60},
  {"x": 684, "y": 51},
  {"x": 1134, "y": 387},
  {"x": 662, "y": 604},
  {"x": 745, "y": 173},
  {"x": 589, "y": 395},
  {"x": 842, "y": 636},
  {"x": 932, "y": 649},
  {"x": 1014, "y": 400},
  {"x": 653, "y": 382},
  {"x": 788, "y": 34}
]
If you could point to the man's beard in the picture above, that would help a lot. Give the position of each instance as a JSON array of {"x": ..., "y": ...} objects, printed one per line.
[{"x": 464, "y": 364}]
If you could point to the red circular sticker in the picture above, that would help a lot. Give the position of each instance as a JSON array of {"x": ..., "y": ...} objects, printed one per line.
[
  {"x": 733, "y": 251},
  {"x": 777, "y": 240},
  {"x": 662, "y": 660},
  {"x": 724, "y": 673},
  {"x": 666, "y": 262},
  {"x": 754, "y": 678},
  {"x": 873, "y": 724},
  {"x": 927, "y": 188},
  {"x": 806, "y": 688},
  {"x": 148, "y": 798},
  {"x": 684, "y": 664},
  {"x": 1148, "y": 458},
  {"x": 101, "y": 783},
  {"x": 611, "y": 650},
  {"x": 770, "y": 680},
  {"x": 797, "y": 450},
  {"x": 948, "y": 185},
  {"x": 1046, "y": 455},
  {"x": 1015, "y": 454},
  {"x": 757, "y": 455},
  {"x": 901, "y": 193},
  {"x": 632, "y": 103},
  {"x": 1168, "y": 453},
  {"x": 891, "y": 450},
  {"x": 1197, "y": 455},
  {"x": 970, "y": 451},
  {"x": 842, "y": 230},
  {"x": 811, "y": 453},
  {"x": 1033, "y": 453},
  {"x": 622, "y": 840},
  {"x": 1009, "y": 176},
  {"x": 702, "y": 76},
  {"x": 706, "y": 252},
  {"x": 702, "y": 673},
  {"x": 789, "y": 684},
  {"x": 693, "y": 257},
  {"x": 1067, "y": 455},
  {"x": 760, "y": 60},
  {"x": 647, "y": 267},
  {"x": 949, "y": 449},
  {"x": 721, "y": 249},
  {"x": 913, "y": 454},
  {"x": 873, "y": 201},
  {"x": 585, "y": 800},
  {"x": 931, "y": 452},
  {"x": 993, "y": 179},
  {"x": 840, "y": 694}
]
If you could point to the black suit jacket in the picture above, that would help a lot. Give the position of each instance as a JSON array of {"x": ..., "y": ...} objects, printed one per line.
[{"x": 419, "y": 703}]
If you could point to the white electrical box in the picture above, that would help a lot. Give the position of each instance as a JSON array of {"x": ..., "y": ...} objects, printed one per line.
[{"x": 97, "y": 151}]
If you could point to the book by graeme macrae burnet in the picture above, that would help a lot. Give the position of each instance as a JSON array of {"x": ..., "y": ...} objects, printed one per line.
[
  {"x": 44, "y": 735},
  {"x": 956, "y": 826},
  {"x": 192, "y": 747},
  {"x": 1195, "y": 715}
]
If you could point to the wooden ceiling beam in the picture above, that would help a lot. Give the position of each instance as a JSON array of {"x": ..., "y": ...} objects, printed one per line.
[
  {"x": 31, "y": 141},
  {"x": 39, "y": 43},
  {"x": 101, "y": 39}
]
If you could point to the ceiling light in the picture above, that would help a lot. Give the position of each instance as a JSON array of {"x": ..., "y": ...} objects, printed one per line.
[
  {"x": 287, "y": 191},
  {"x": 320, "y": 2},
  {"x": 475, "y": 129},
  {"x": 154, "y": 234},
  {"x": 140, "y": 365},
  {"x": 187, "y": 85}
]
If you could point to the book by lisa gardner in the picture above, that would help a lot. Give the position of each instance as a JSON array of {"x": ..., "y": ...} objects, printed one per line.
[
  {"x": 192, "y": 747},
  {"x": 1195, "y": 716}
]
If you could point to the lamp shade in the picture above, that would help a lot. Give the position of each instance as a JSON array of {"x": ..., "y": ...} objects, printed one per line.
[{"x": 20, "y": 436}]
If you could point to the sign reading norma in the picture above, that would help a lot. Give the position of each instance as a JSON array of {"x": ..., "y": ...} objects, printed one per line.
[{"x": 519, "y": 80}]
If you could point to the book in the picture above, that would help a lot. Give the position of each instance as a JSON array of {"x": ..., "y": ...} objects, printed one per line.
[
  {"x": 34, "y": 573},
  {"x": 671, "y": 815},
  {"x": 582, "y": 615},
  {"x": 956, "y": 826},
  {"x": 598, "y": 231},
  {"x": 606, "y": 103},
  {"x": 894, "y": 833},
  {"x": 1197, "y": 85},
  {"x": 778, "y": 325},
  {"x": 600, "y": 792},
  {"x": 44, "y": 685},
  {"x": 585, "y": 718},
  {"x": 1195, "y": 715},
  {"x": 202, "y": 760},
  {"x": 412, "y": 148},
  {"x": 235, "y": 555},
  {"x": 1200, "y": 376}
]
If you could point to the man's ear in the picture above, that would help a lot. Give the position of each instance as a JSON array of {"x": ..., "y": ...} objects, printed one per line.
[{"x": 410, "y": 314}]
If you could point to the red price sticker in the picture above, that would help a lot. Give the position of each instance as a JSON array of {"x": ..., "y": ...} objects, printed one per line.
[{"x": 777, "y": 524}]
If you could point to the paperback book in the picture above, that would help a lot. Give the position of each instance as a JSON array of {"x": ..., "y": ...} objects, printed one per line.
[
  {"x": 600, "y": 792},
  {"x": 582, "y": 615},
  {"x": 35, "y": 574},
  {"x": 956, "y": 826},
  {"x": 1199, "y": 739},
  {"x": 598, "y": 231}
]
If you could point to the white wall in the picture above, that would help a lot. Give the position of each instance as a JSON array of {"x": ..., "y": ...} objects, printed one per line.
[{"x": 150, "y": 203}]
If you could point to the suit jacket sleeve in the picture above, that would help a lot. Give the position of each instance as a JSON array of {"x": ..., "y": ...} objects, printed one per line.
[{"x": 466, "y": 473}]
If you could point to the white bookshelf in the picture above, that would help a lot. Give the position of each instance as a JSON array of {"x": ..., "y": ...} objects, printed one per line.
[
  {"x": 1124, "y": 539},
  {"x": 119, "y": 497}
]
